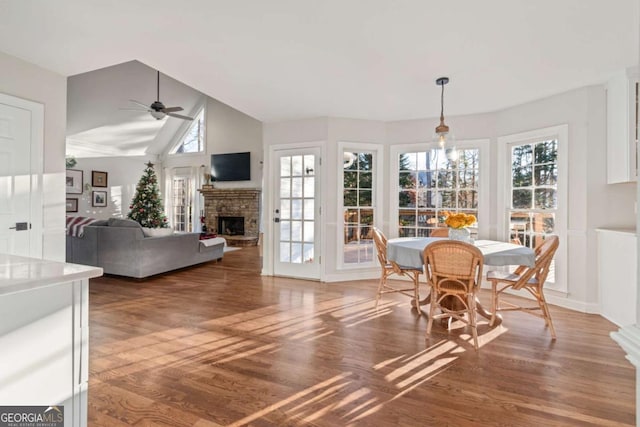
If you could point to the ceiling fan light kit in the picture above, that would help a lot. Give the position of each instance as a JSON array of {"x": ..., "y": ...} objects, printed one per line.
[{"x": 157, "y": 109}]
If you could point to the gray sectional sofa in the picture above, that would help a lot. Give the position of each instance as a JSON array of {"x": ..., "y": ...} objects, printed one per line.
[{"x": 120, "y": 247}]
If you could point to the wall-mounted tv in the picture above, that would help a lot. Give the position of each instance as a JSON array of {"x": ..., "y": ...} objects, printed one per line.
[{"x": 231, "y": 167}]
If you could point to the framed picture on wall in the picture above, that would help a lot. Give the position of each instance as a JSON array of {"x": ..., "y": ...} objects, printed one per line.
[
  {"x": 98, "y": 179},
  {"x": 99, "y": 199},
  {"x": 74, "y": 181},
  {"x": 72, "y": 205}
]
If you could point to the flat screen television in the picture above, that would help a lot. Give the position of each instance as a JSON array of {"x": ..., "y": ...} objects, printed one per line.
[{"x": 231, "y": 167}]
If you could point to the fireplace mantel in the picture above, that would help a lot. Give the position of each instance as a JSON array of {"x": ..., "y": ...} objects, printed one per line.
[
  {"x": 231, "y": 193},
  {"x": 244, "y": 202}
]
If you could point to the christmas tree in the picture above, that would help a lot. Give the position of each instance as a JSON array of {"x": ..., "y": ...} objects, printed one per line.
[{"x": 146, "y": 207}]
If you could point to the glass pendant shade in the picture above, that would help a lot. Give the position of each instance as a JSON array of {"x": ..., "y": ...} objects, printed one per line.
[{"x": 443, "y": 140}]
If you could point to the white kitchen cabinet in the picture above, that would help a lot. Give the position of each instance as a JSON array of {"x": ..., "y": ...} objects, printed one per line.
[
  {"x": 622, "y": 127},
  {"x": 617, "y": 274},
  {"x": 44, "y": 330}
]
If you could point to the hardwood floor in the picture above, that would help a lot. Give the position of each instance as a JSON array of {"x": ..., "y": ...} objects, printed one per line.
[{"x": 219, "y": 345}]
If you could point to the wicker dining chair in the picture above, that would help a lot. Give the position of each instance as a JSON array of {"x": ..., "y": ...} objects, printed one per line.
[
  {"x": 454, "y": 272},
  {"x": 389, "y": 268},
  {"x": 530, "y": 279}
]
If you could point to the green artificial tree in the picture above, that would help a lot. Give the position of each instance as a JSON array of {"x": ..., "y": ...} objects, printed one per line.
[{"x": 146, "y": 207}]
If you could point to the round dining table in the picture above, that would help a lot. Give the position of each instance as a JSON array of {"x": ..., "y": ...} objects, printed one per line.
[{"x": 407, "y": 253}]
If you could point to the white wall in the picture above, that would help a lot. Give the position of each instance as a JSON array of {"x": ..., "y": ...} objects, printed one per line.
[
  {"x": 231, "y": 131},
  {"x": 123, "y": 176},
  {"x": 28, "y": 81}
]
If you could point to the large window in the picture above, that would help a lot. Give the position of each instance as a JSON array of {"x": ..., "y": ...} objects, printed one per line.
[
  {"x": 193, "y": 139},
  {"x": 358, "y": 207},
  {"x": 433, "y": 183},
  {"x": 533, "y": 178},
  {"x": 534, "y": 191}
]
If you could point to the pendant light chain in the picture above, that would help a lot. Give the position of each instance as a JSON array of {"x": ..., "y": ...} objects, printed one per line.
[{"x": 442, "y": 102}]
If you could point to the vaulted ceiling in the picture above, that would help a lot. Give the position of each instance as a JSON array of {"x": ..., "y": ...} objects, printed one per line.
[{"x": 372, "y": 59}]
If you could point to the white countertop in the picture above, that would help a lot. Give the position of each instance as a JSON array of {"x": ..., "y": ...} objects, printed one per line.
[
  {"x": 19, "y": 274},
  {"x": 617, "y": 230}
]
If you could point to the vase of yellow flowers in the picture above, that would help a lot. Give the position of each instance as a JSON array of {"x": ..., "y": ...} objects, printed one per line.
[{"x": 458, "y": 224}]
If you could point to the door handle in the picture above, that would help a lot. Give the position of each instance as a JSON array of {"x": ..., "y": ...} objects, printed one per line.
[{"x": 21, "y": 226}]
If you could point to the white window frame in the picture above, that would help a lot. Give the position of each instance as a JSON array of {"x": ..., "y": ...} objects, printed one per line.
[
  {"x": 184, "y": 129},
  {"x": 484, "y": 190},
  {"x": 377, "y": 202},
  {"x": 561, "y": 134}
]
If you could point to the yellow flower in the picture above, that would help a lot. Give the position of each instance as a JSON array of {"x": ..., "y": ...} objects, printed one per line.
[{"x": 460, "y": 220}]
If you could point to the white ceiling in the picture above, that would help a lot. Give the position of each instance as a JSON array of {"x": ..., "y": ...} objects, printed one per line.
[{"x": 371, "y": 59}]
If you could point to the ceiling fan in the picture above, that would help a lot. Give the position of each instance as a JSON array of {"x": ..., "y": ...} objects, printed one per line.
[{"x": 157, "y": 109}]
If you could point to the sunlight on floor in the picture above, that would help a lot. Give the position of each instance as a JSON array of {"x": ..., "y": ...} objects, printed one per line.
[{"x": 243, "y": 335}]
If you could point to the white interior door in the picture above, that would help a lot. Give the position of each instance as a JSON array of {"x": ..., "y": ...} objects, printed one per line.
[
  {"x": 20, "y": 200},
  {"x": 297, "y": 213}
]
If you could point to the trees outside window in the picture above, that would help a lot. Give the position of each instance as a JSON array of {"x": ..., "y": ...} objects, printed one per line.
[{"x": 433, "y": 183}]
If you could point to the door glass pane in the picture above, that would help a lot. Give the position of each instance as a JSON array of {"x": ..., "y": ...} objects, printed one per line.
[
  {"x": 285, "y": 166},
  {"x": 308, "y": 252},
  {"x": 296, "y": 231},
  {"x": 309, "y": 186},
  {"x": 285, "y": 209},
  {"x": 308, "y": 231},
  {"x": 309, "y": 209},
  {"x": 296, "y": 166},
  {"x": 285, "y": 187},
  {"x": 296, "y": 187},
  {"x": 296, "y": 253},
  {"x": 285, "y": 255},
  {"x": 285, "y": 230},
  {"x": 296, "y": 209}
]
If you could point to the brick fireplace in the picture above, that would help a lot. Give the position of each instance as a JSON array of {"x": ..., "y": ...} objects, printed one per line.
[{"x": 241, "y": 204}]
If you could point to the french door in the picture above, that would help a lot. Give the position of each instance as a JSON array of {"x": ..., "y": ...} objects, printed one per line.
[{"x": 297, "y": 213}]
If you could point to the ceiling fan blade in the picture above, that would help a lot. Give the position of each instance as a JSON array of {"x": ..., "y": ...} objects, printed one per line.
[
  {"x": 171, "y": 109},
  {"x": 146, "y": 107},
  {"x": 135, "y": 109},
  {"x": 179, "y": 116}
]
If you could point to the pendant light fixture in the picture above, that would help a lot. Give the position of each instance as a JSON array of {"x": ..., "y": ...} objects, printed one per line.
[{"x": 443, "y": 136}]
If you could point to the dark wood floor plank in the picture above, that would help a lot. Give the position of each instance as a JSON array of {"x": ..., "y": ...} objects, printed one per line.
[{"x": 220, "y": 345}]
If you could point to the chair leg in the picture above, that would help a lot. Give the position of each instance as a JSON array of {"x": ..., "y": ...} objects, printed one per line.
[
  {"x": 416, "y": 291},
  {"x": 494, "y": 302},
  {"x": 432, "y": 310},
  {"x": 471, "y": 303},
  {"x": 547, "y": 315}
]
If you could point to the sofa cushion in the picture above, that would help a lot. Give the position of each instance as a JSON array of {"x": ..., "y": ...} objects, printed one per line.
[
  {"x": 123, "y": 222},
  {"x": 101, "y": 223}
]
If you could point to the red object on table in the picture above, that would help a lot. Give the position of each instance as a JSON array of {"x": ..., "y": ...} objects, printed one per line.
[{"x": 205, "y": 236}]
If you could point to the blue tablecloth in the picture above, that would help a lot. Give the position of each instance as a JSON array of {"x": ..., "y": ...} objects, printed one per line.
[{"x": 407, "y": 252}]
